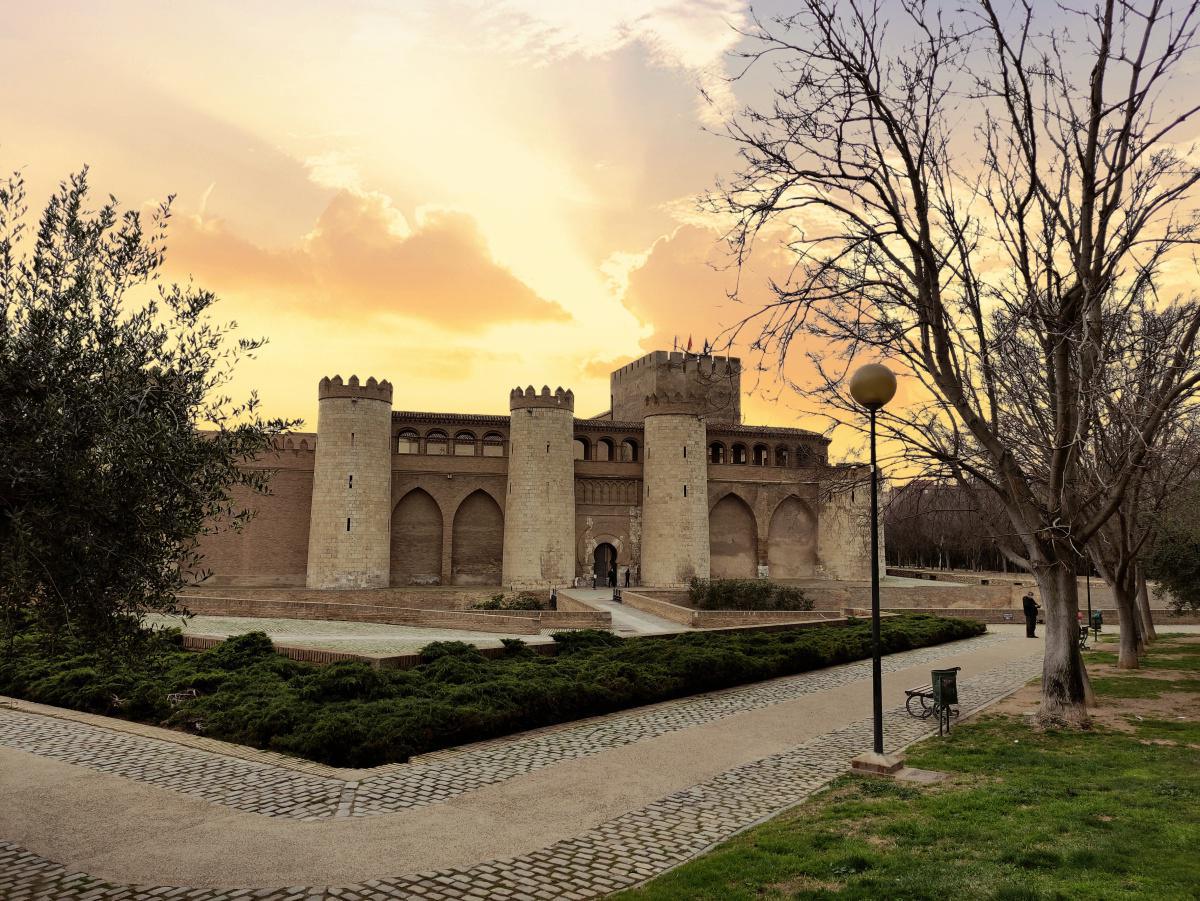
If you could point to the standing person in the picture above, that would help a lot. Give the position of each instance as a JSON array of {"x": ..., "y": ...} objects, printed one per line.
[
  {"x": 1031, "y": 614},
  {"x": 627, "y": 578},
  {"x": 612, "y": 576}
]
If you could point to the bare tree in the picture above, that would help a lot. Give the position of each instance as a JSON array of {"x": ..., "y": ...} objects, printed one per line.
[
  {"x": 978, "y": 197},
  {"x": 1116, "y": 548}
]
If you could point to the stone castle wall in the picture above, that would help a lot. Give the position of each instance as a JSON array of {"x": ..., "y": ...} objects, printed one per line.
[
  {"x": 348, "y": 545},
  {"x": 539, "y": 522},
  {"x": 527, "y": 500},
  {"x": 675, "y": 540}
]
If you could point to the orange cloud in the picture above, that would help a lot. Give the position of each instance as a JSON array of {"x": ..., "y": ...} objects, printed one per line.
[
  {"x": 362, "y": 257},
  {"x": 683, "y": 288}
]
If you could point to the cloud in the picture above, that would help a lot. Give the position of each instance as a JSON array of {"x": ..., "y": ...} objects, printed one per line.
[
  {"x": 362, "y": 256},
  {"x": 689, "y": 35},
  {"x": 681, "y": 287}
]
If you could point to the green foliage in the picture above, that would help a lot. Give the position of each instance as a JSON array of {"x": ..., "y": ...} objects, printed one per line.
[
  {"x": 1173, "y": 559},
  {"x": 517, "y": 602},
  {"x": 107, "y": 376},
  {"x": 350, "y": 714},
  {"x": 745, "y": 594}
]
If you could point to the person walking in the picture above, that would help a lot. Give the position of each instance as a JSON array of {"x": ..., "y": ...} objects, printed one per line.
[{"x": 1031, "y": 614}]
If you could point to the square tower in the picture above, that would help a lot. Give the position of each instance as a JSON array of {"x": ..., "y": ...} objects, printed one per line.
[{"x": 715, "y": 381}]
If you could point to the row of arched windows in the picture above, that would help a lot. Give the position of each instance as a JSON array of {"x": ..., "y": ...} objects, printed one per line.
[
  {"x": 439, "y": 444},
  {"x": 606, "y": 450},
  {"x": 760, "y": 454}
]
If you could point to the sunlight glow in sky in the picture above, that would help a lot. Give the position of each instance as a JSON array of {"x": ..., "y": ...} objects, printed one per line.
[{"x": 456, "y": 195}]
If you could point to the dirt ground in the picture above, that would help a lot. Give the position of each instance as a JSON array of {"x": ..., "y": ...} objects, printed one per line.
[{"x": 1122, "y": 714}]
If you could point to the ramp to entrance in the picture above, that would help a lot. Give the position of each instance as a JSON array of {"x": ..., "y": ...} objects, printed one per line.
[{"x": 625, "y": 620}]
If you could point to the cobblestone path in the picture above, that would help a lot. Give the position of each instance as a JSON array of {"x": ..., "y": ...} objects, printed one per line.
[
  {"x": 621, "y": 852},
  {"x": 278, "y": 791}
]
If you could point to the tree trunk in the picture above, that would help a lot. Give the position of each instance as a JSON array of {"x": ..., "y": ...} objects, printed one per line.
[
  {"x": 1129, "y": 620},
  {"x": 1143, "y": 600},
  {"x": 1064, "y": 682}
]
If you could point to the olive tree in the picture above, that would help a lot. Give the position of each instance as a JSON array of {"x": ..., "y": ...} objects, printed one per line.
[{"x": 118, "y": 445}]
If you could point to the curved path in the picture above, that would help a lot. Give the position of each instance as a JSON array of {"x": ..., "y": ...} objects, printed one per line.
[{"x": 573, "y": 811}]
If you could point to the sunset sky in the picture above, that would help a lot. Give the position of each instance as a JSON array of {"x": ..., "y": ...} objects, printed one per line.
[{"x": 458, "y": 196}]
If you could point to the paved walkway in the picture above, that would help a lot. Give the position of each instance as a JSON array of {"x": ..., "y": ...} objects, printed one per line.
[
  {"x": 574, "y": 811},
  {"x": 626, "y": 620},
  {"x": 370, "y": 639}
]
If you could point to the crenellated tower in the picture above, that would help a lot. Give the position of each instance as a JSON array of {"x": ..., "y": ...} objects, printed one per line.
[
  {"x": 348, "y": 540},
  {"x": 539, "y": 514},
  {"x": 675, "y": 493}
]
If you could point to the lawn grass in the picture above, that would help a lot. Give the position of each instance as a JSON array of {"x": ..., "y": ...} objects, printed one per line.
[{"x": 1027, "y": 815}]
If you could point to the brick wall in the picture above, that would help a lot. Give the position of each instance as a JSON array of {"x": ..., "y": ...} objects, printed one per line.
[
  {"x": 362, "y": 613},
  {"x": 272, "y": 548}
]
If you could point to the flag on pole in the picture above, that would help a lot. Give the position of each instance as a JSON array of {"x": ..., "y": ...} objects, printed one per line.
[{"x": 689, "y": 347}]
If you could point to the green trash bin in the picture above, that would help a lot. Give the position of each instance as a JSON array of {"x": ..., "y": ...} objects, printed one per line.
[
  {"x": 945, "y": 695},
  {"x": 1097, "y": 621},
  {"x": 945, "y": 686}
]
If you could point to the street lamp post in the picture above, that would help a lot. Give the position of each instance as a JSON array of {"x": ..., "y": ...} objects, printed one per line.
[{"x": 872, "y": 386}]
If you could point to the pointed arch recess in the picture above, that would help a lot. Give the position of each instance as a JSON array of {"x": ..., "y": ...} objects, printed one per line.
[
  {"x": 478, "y": 543},
  {"x": 792, "y": 541},
  {"x": 732, "y": 539},
  {"x": 417, "y": 540}
]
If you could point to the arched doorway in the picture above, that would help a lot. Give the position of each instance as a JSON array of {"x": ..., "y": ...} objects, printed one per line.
[{"x": 604, "y": 561}]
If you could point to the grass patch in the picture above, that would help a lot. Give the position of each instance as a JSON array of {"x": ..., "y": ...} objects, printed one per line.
[
  {"x": 1140, "y": 686},
  {"x": 1028, "y": 815},
  {"x": 350, "y": 714}
]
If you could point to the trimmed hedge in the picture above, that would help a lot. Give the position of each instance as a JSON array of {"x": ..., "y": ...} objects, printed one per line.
[
  {"x": 745, "y": 594},
  {"x": 350, "y": 714}
]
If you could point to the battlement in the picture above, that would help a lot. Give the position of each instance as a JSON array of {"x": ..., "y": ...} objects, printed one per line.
[
  {"x": 372, "y": 390},
  {"x": 684, "y": 361},
  {"x": 713, "y": 382},
  {"x": 528, "y": 398}
]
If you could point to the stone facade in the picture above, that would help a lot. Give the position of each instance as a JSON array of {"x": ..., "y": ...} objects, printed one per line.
[
  {"x": 539, "y": 525},
  {"x": 675, "y": 534},
  {"x": 541, "y": 498},
  {"x": 348, "y": 532}
]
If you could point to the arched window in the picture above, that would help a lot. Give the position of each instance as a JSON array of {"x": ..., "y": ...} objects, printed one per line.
[
  {"x": 739, "y": 453},
  {"x": 716, "y": 452},
  {"x": 781, "y": 456},
  {"x": 604, "y": 450},
  {"x": 583, "y": 450},
  {"x": 493, "y": 444},
  {"x": 629, "y": 451},
  {"x": 408, "y": 442},
  {"x": 762, "y": 457},
  {"x": 436, "y": 444},
  {"x": 464, "y": 444}
]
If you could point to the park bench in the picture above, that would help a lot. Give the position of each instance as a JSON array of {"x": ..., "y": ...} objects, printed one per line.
[
  {"x": 178, "y": 697},
  {"x": 938, "y": 698},
  {"x": 1083, "y": 637}
]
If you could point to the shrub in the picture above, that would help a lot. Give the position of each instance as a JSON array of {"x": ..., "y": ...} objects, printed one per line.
[
  {"x": 745, "y": 594},
  {"x": 500, "y": 602},
  {"x": 349, "y": 714}
]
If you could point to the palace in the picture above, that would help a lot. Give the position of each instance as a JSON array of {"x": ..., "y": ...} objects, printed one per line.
[{"x": 665, "y": 485}]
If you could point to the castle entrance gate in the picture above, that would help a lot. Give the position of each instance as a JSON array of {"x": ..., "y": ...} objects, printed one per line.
[{"x": 605, "y": 561}]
